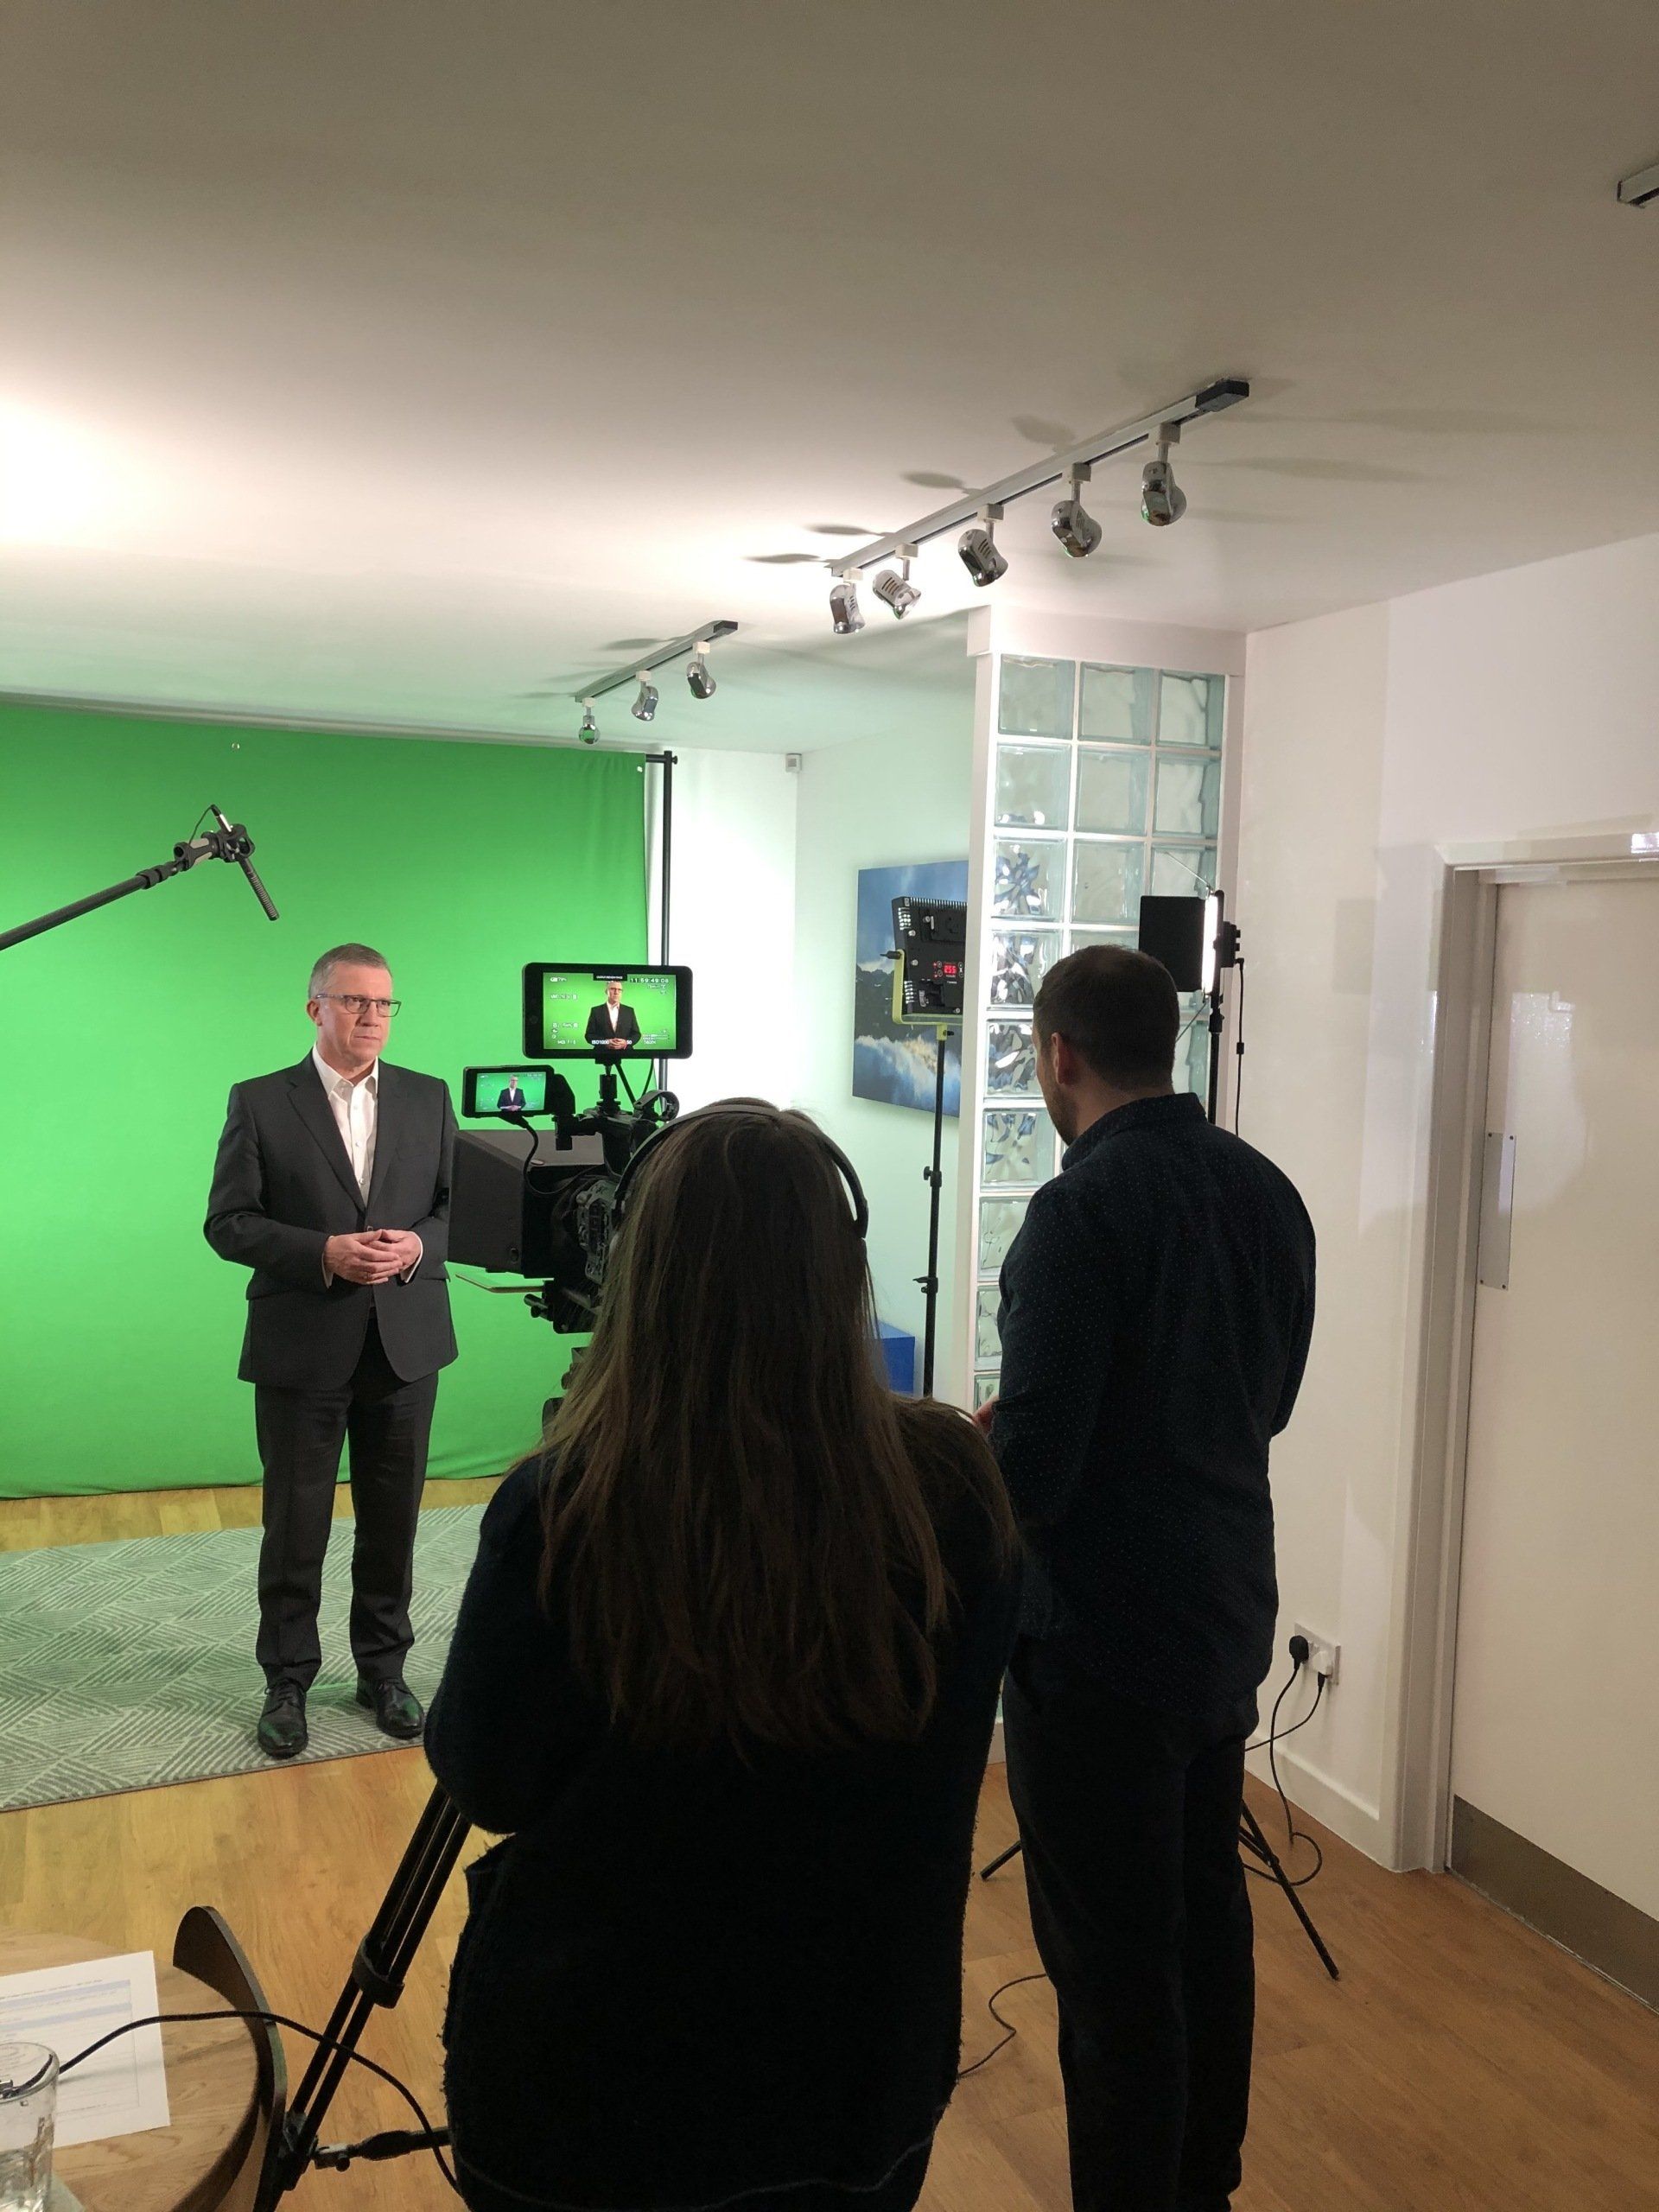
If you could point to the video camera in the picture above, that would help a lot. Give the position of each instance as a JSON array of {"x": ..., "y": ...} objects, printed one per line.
[{"x": 516, "y": 1208}]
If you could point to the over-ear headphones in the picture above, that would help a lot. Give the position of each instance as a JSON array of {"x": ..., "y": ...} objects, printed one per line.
[{"x": 626, "y": 1180}]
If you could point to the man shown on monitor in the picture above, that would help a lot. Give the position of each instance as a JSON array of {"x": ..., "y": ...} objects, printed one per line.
[
  {"x": 613, "y": 1028},
  {"x": 510, "y": 1099}
]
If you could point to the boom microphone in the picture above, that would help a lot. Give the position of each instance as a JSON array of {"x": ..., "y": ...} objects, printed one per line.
[{"x": 239, "y": 848}]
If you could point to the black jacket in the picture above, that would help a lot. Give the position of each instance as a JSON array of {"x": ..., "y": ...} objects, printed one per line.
[
  {"x": 282, "y": 1185},
  {"x": 1157, "y": 1306},
  {"x": 687, "y": 1977},
  {"x": 599, "y": 1024}
]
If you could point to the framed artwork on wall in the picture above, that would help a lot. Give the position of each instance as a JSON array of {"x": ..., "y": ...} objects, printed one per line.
[{"x": 892, "y": 1064}]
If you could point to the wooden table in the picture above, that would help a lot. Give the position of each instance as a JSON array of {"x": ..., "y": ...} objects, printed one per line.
[{"x": 211, "y": 2088}]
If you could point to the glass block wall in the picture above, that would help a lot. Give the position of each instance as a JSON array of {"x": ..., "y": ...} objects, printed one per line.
[{"x": 1106, "y": 783}]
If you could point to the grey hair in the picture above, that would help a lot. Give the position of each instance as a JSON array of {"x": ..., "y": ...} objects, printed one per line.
[{"x": 342, "y": 956}]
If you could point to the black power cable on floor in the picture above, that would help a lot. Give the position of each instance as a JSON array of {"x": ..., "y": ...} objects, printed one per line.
[
  {"x": 1002, "y": 2021},
  {"x": 279, "y": 2020},
  {"x": 1274, "y": 1737}
]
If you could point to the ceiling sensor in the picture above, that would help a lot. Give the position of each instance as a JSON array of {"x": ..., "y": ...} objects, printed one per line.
[{"x": 1636, "y": 191}]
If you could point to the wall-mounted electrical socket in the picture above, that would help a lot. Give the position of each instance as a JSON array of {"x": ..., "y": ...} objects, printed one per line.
[{"x": 1324, "y": 1657}]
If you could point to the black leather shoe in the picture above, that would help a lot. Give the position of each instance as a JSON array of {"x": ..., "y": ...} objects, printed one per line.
[
  {"x": 397, "y": 1710},
  {"x": 281, "y": 1725}
]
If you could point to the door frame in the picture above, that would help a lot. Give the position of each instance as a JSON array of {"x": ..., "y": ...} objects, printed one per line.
[{"x": 1465, "y": 979}]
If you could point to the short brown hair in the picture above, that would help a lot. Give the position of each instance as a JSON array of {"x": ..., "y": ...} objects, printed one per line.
[
  {"x": 1117, "y": 1010},
  {"x": 344, "y": 955}
]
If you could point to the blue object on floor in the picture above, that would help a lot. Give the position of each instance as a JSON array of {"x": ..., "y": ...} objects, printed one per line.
[{"x": 898, "y": 1351}]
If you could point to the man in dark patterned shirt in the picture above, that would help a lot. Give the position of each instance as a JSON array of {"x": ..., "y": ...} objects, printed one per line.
[{"x": 1156, "y": 1310}]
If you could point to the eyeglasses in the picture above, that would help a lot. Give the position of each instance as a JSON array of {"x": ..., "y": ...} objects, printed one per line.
[{"x": 360, "y": 1005}]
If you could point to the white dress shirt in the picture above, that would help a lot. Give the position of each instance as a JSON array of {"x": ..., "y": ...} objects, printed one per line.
[{"x": 356, "y": 1108}]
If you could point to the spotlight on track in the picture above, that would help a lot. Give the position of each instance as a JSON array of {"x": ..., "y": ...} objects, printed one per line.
[
  {"x": 590, "y": 731},
  {"x": 697, "y": 673},
  {"x": 977, "y": 546},
  {"x": 1079, "y": 534},
  {"x": 1162, "y": 500},
  {"x": 895, "y": 587},
  {"x": 644, "y": 709},
  {"x": 843, "y": 606},
  {"x": 1077, "y": 529}
]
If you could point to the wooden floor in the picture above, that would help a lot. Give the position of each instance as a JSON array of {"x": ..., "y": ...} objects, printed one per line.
[{"x": 1462, "y": 2065}]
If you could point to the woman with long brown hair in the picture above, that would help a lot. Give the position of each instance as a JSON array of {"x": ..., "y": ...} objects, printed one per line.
[{"x": 724, "y": 1677}]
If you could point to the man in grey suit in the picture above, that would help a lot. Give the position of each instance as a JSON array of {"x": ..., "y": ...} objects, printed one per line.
[{"x": 332, "y": 1183}]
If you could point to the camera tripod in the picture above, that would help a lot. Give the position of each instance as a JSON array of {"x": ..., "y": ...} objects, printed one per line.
[{"x": 376, "y": 1979}]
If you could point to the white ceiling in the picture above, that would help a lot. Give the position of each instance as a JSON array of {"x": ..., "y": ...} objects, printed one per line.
[{"x": 392, "y": 360}]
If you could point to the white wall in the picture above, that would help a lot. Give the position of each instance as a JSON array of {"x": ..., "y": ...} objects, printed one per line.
[
  {"x": 898, "y": 796},
  {"x": 733, "y": 921},
  {"x": 766, "y": 878},
  {"x": 1309, "y": 803},
  {"x": 1520, "y": 705}
]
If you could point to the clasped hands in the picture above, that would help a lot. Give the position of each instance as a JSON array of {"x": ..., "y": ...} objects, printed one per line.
[{"x": 371, "y": 1256}]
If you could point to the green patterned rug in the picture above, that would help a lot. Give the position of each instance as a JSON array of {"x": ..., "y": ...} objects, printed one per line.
[{"x": 127, "y": 1666}]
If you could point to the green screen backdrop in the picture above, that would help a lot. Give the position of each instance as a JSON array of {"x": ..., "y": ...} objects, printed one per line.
[{"x": 124, "y": 1030}]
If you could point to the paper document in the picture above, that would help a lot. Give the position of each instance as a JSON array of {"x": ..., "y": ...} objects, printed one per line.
[{"x": 123, "y": 2089}]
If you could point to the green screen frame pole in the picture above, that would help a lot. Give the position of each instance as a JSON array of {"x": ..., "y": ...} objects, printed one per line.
[{"x": 666, "y": 762}]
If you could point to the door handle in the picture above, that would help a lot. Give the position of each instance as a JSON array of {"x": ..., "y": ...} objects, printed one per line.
[{"x": 1496, "y": 1210}]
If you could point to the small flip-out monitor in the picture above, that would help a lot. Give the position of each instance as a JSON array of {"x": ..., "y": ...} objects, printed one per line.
[
  {"x": 606, "y": 1013},
  {"x": 484, "y": 1092}
]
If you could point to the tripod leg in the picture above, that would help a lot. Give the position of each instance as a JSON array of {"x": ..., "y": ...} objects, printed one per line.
[
  {"x": 1256, "y": 1841},
  {"x": 377, "y": 1975},
  {"x": 1001, "y": 1859}
]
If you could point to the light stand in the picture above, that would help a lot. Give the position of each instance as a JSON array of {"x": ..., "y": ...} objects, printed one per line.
[
  {"x": 934, "y": 1178},
  {"x": 1251, "y": 1838},
  {"x": 930, "y": 938},
  {"x": 1221, "y": 951}
]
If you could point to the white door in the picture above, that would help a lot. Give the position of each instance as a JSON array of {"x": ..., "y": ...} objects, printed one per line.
[{"x": 1555, "y": 1724}]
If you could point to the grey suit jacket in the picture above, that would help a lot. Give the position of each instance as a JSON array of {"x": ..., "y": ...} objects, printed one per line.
[{"x": 282, "y": 1185}]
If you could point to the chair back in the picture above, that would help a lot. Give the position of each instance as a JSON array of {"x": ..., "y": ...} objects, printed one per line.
[{"x": 205, "y": 1946}]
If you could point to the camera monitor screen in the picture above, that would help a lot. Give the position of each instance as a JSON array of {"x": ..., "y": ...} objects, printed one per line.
[
  {"x": 504, "y": 1090},
  {"x": 606, "y": 1013}
]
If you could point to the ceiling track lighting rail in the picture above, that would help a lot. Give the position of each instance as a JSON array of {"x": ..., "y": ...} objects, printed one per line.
[
  {"x": 1078, "y": 532},
  {"x": 1641, "y": 189},
  {"x": 698, "y": 678},
  {"x": 1209, "y": 399}
]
